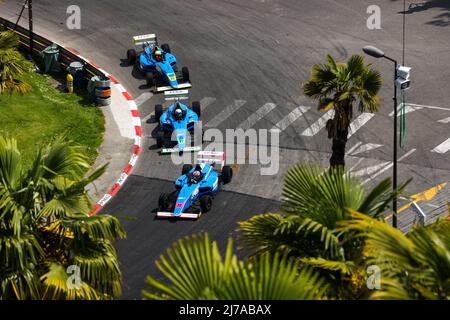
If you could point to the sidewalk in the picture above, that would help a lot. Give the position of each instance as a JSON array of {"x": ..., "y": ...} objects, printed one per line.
[{"x": 117, "y": 146}]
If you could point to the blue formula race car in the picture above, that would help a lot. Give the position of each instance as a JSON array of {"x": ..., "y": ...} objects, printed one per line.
[
  {"x": 196, "y": 187},
  {"x": 158, "y": 64},
  {"x": 178, "y": 125}
]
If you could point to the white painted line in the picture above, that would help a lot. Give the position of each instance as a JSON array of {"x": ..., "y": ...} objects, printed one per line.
[
  {"x": 357, "y": 124},
  {"x": 225, "y": 113},
  {"x": 120, "y": 88},
  {"x": 206, "y": 101},
  {"x": 372, "y": 169},
  {"x": 356, "y": 164},
  {"x": 443, "y": 147},
  {"x": 390, "y": 165},
  {"x": 428, "y": 107},
  {"x": 258, "y": 115},
  {"x": 143, "y": 98},
  {"x": 319, "y": 124},
  {"x": 290, "y": 118},
  {"x": 408, "y": 109},
  {"x": 349, "y": 152},
  {"x": 364, "y": 148},
  {"x": 445, "y": 120}
]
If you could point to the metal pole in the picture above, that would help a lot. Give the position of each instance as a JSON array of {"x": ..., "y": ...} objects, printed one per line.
[
  {"x": 394, "y": 180},
  {"x": 20, "y": 15},
  {"x": 30, "y": 22}
]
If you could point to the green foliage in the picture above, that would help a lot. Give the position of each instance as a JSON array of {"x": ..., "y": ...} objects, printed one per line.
[
  {"x": 12, "y": 65},
  {"x": 45, "y": 227},
  {"x": 196, "y": 270}
]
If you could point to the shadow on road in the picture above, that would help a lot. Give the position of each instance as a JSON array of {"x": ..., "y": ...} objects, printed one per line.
[{"x": 441, "y": 20}]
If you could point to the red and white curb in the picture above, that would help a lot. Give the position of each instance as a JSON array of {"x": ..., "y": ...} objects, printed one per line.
[{"x": 132, "y": 106}]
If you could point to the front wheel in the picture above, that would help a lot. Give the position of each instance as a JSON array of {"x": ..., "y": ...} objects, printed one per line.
[
  {"x": 166, "y": 48},
  {"x": 150, "y": 79},
  {"x": 205, "y": 203},
  {"x": 196, "y": 108},
  {"x": 227, "y": 174},
  {"x": 163, "y": 202},
  {"x": 131, "y": 56},
  {"x": 158, "y": 112},
  {"x": 185, "y": 73},
  {"x": 159, "y": 142},
  {"x": 186, "y": 168}
]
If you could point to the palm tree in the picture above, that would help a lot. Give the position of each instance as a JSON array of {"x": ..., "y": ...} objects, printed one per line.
[
  {"x": 314, "y": 202},
  {"x": 338, "y": 86},
  {"x": 413, "y": 266},
  {"x": 45, "y": 228},
  {"x": 12, "y": 65},
  {"x": 196, "y": 270}
]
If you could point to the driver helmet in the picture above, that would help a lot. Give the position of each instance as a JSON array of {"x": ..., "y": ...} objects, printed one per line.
[
  {"x": 178, "y": 113},
  {"x": 158, "y": 55},
  {"x": 196, "y": 173}
]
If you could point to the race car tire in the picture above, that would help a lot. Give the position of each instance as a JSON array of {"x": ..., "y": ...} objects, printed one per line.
[
  {"x": 227, "y": 174},
  {"x": 131, "y": 56},
  {"x": 149, "y": 78},
  {"x": 185, "y": 73},
  {"x": 163, "y": 201},
  {"x": 158, "y": 112},
  {"x": 160, "y": 142},
  {"x": 186, "y": 168},
  {"x": 205, "y": 203},
  {"x": 166, "y": 48},
  {"x": 196, "y": 108}
]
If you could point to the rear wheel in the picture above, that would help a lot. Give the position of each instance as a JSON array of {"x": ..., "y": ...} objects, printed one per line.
[
  {"x": 186, "y": 169},
  {"x": 227, "y": 174},
  {"x": 159, "y": 142},
  {"x": 150, "y": 79},
  {"x": 166, "y": 48},
  {"x": 185, "y": 73},
  {"x": 131, "y": 56},
  {"x": 158, "y": 112},
  {"x": 205, "y": 203},
  {"x": 163, "y": 202},
  {"x": 196, "y": 108}
]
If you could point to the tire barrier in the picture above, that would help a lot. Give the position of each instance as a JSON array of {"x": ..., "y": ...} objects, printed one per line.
[{"x": 103, "y": 92}]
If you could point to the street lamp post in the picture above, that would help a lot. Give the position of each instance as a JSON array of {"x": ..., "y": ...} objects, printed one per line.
[{"x": 377, "y": 53}]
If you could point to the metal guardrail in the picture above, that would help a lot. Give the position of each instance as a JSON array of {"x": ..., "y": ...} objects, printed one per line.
[{"x": 40, "y": 43}]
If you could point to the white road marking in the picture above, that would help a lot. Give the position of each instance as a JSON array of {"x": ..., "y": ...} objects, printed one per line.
[
  {"x": 349, "y": 152},
  {"x": 319, "y": 124},
  {"x": 206, "y": 101},
  {"x": 390, "y": 165},
  {"x": 356, "y": 164},
  {"x": 443, "y": 147},
  {"x": 445, "y": 120},
  {"x": 290, "y": 118},
  {"x": 364, "y": 148},
  {"x": 357, "y": 124},
  {"x": 258, "y": 115},
  {"x": 408, "y": 108},
  {"x": 428, "y": 107},
  {"x": 143, "y": 98},
  {"x": 370, "y": 170},
  {"x": 225, "y": 114}
]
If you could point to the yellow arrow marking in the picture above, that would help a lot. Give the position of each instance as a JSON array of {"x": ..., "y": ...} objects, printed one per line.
[{"x": 426, "y": 195}]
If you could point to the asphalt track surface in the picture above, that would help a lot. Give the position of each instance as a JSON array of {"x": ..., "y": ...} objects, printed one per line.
[{"x": 259, "y": 52}]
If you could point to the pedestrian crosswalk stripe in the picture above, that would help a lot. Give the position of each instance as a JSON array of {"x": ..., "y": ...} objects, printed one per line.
[
  {"x": 363, "y": 148},
  {"x": 143, "y": 98},
  {"x": 319, "y": 124},
  {"x": 258, "y": 115},
  {"x": 408, "y": 108},
  {"x": 225, "y": 113},
  {"x": 443, "y": 147},
  {"x": 388, "y": 166},
  {"x": 206, "y": 101},
  {"x": 357, "y": 124},
  {"x": 290, "y": 118},
  {"x": 445, "y": 120}
]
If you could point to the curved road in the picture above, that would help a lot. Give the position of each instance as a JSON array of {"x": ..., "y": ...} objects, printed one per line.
[{"x": 250, "y": 58}]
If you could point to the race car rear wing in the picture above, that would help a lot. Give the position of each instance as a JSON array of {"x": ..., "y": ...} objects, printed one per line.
[
  {"x": 176, "y": 95},
  {"x": 211, "y": 157},
  {"x": 181, "y": 216},
  {"x": 145, "y": 38}
]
